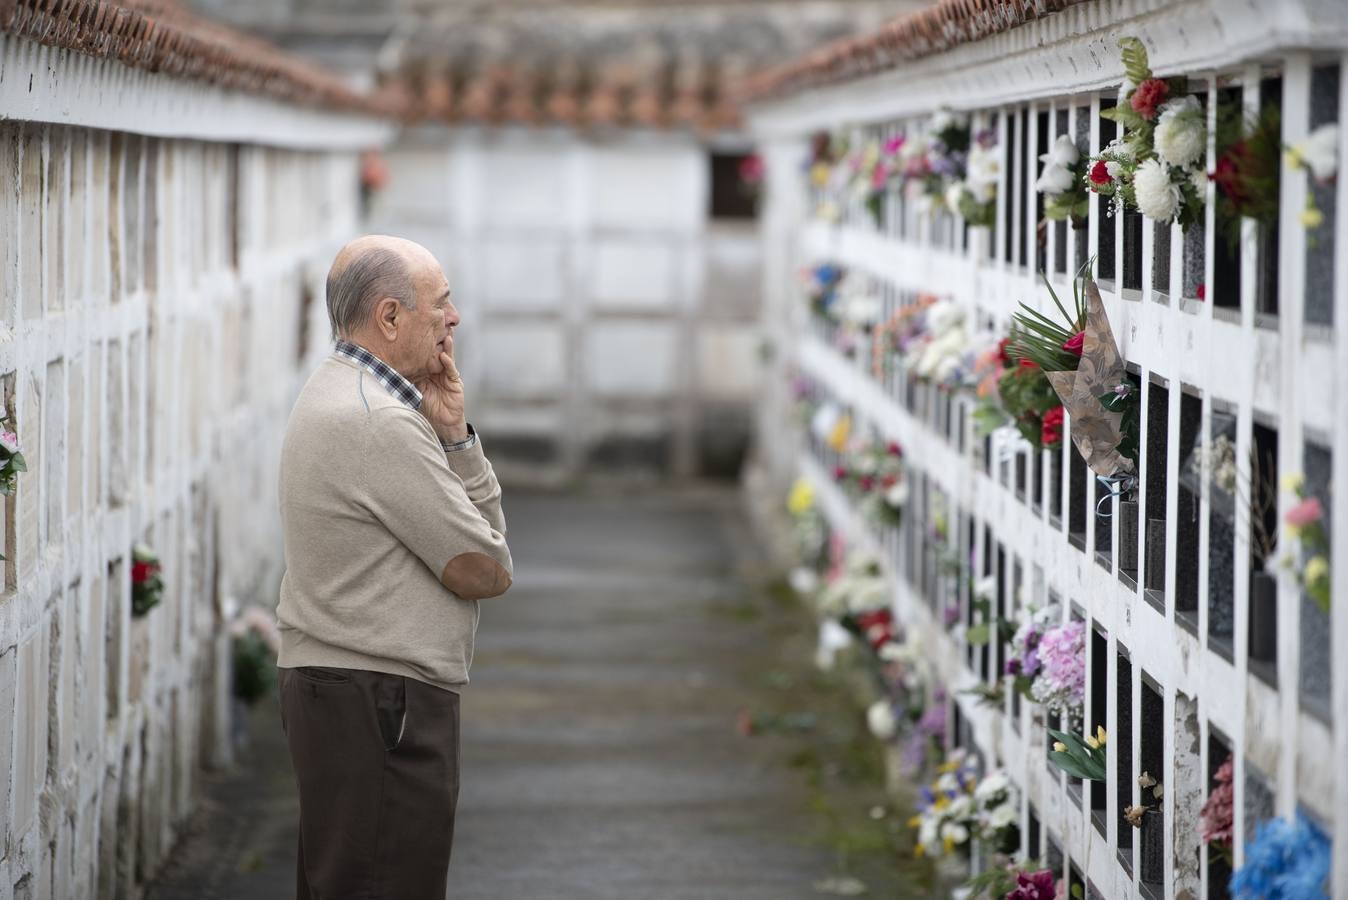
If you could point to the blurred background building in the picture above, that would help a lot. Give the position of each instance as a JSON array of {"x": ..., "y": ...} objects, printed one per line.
[{"x": 576, "y": 168}]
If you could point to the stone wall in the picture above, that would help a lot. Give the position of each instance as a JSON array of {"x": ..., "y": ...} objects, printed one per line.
[{"x": 160, "y": 305}]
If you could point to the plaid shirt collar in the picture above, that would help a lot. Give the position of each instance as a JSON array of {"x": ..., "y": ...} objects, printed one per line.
[{"x": 402, "y": 389}]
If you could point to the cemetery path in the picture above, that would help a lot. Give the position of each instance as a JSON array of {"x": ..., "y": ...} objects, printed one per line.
[{"x": 600, "y": 754}]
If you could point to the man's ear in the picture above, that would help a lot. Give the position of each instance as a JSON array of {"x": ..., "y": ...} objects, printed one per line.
[{"x": 386, "y": 313}]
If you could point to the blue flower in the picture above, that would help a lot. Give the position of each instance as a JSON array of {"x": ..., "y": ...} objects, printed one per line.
[{"x": 1285, "y": 861}]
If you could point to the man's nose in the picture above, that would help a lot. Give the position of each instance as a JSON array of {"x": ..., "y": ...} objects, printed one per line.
[{"x": 452, "y": 317}]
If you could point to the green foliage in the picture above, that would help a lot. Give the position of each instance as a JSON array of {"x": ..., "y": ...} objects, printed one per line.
[
  {"x": 1127, "y": 402},
  {"x": 987, "y": 694},
  {"x": 1078, "y": 760},
  {"x": 1073, "y": 204},
  {"x": 1027, "y": 395},
  {"x": 1040, "y": 339},
  {"x": 254, "y": 668},
  {"x": 979, "y": 215},
  {"x": 1135, "y": 63},
  {"x": 1249, "y": 168}
]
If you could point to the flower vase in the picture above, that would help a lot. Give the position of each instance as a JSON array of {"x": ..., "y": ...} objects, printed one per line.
[
  {"x": 1263, "y": 617},
  {"x": 1153, "y": 847}
]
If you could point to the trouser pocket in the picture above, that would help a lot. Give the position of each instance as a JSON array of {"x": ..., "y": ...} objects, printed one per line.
[{"x": 390, "y": 706}]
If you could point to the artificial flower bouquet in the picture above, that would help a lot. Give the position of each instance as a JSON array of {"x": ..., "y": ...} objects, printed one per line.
[
  {"x": 1016, "y": 391},
  {"x": 1158, "y": 167},
  {"x": 1305, "y": 522},
  {"x": 1023, "y": 664},
  {"x": 1287, "y": 860},
  {"x": 1216, "y": 821},
  {"x": 1081, "y": 360},
  {"x": 974, "y": 195},
  {"x": 1062, "y": 181},
  {"x": 947, "y": 816},
  {"x": 1084, "y": 759},
  {"x": 1318, "y": 155},
  {"x": 875, "y": 473},
  {"x": 147, "y": 584},
  {"x": 1060, "y": 683},
  {"x": 820, "y": 285}
]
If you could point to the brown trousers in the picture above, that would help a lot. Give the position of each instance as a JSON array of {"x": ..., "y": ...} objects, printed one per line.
[{"x": 377, "y": 761}]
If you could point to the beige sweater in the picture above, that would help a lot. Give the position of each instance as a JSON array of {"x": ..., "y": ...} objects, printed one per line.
[{"x": 389, "y": 539}]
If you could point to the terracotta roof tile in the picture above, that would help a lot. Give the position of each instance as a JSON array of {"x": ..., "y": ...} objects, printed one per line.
[
  {"x": 943, "y": 25},
  {"x": 162, "y": 36}
]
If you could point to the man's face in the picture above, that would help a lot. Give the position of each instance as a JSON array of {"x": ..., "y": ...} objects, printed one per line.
[{"x": 429, "y": 329}]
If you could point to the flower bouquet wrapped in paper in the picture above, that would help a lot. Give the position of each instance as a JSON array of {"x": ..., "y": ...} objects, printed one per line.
[{"x": 1081, "y": 359}]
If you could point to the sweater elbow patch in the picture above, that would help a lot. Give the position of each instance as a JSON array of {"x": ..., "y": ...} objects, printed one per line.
[{"x": 475, "y": 576}]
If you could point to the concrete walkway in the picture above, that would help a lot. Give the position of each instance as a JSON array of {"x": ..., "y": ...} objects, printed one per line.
[{"x": 600, "y": 755}]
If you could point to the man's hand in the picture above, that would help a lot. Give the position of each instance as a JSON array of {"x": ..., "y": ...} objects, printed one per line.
[{"x": 442, "y": 402}]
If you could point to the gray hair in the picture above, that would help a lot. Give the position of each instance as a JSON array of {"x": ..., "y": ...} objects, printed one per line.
[{"x": 353, "y": 291}]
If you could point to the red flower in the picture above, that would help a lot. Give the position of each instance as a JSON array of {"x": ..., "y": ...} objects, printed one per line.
[
  {"x": 894, "y": 449},
  {"x": 1148, "y": 95},
  {"x": 839, "y": 473},
  {"x": 1202, "y": 292},
  {"x": 1100, "y": 173},
  {"x": 1034, "y": 886},
  {"x": 1028, "y": 364},
  {"x": 1051, "y": 426},
  {"x": 1075, "y": 343},
  {"x": 1229, "y": 174},
  {"x": 879, "y": 635},
  {"x": 142, "y": 572},
  {"x": 889, "y": 481},
  {"x": 866, "y": 482},
  {"x": 868, "y": 620},
  {"x": 1001, "y": 351}
]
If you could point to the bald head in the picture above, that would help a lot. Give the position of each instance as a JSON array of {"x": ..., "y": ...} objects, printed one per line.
[{"x": 367, "y": 270}]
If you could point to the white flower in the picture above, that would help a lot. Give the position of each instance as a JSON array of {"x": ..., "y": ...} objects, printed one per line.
[
  {"x": 986, "y": 586},
  {"x": 961, "y": 807},
  {"x": 948, "y": 782},
  {"x": 953, "y": 194},
  {"x": 1181, "y": 136},
  {"x": 9, "y": 441},
  {"x": 860, "y": 309},
  {"x": 865, "y": 464},
  {"x": 983, "y": 171},
  {"x": 897, "y": 495},
  {"x": 946, "y": 118},
  {"x": 804, "y": 580},
  {"x": 1199, "y": 179},
  {"x": 1058, "y": 162},
  {"x": 1115, "y": 169},
  {"x": 825, "y": 419},
  {"x": 954, "y": 832},
  {"x": 1157, "y": 196},
  {"x": 1001, "y": 816},
  {"x": 944, "y": 315},
  {"x": 1318, "y": 152},
  {"x": 1054, "y": 180},
  {"x": 991, "y": 785},
  {"x": 880, "y": 720}
]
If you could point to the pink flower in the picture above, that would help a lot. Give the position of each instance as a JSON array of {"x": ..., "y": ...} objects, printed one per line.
[
  {"x": 1061, "y": 684},
  {"x": 1148, "y": 96},
  {"x": 1034, "y": 886},
  {"x": 751, "y": 169},
  {"x": 895, "y": 144},
  {"x": 1307, "y": 512},
  {"x": 839, "y": 473},
  {"x": 1075, "y": 343},
  {"x": 9, "y": 441},
  {"x": 879, "y": 175},
  {"x": 1216, "y": 819}
]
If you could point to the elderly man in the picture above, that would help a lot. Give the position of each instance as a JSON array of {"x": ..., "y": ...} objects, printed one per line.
[{"x": 393, "y": 533}]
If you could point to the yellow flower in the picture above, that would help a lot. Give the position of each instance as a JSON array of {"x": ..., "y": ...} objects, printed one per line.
[
  {"x": 801, "y": 499},
  {"x": 837, "y": 438},
  {"x": 819, "y": 174},
  {"x": 1092, "y": 743},
  {"x": 1317, "y": 569},
  {"x": 919, "y": 851},
  {"x": 1293, "y": 482},
  {"x": 1311, "y": 217},
  {"x": 1059, "y": 747},
  {"x": 1292, "y": 156},
  {"x": 915, "y": 822},
  {"x": 949, "y": 844},
  {"x": 1100, "y": 735}
]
